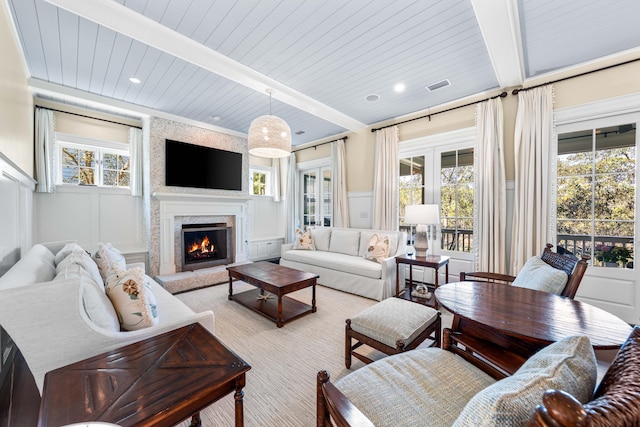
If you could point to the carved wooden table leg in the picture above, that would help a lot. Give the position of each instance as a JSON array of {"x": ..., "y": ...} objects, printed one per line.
[
  {"x": 195, "y": 420},
  {"x": 280, "y": 322},
  {"x": 313, "y": 298},
  {"x": 238, "y": 396}
]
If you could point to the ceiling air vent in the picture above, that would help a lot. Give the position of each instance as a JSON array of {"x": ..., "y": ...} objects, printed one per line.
[
  {"x": 438, "y": 85},
  {"x": 300, "y": 132}
]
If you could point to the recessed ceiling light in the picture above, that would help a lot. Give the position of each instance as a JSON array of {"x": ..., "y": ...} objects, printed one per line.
[
  {"x": 372, "y": 97},
  {"x": 134, "y": 80},
  {"x": 399, "y": 87},
  {"x": 216, "y": 118}
]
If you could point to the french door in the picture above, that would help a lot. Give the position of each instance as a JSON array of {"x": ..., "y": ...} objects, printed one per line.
[{"x": 317, "y": 197}]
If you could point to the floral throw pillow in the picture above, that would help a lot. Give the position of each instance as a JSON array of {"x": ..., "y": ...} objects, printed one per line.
[
  {"x": 304, "y": 240},
  {"x": 378, "y": 248},
  {"x": 132, "y": 298}
]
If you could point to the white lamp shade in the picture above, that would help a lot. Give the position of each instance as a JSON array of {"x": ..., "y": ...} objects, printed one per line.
[
  {"x": 422, "y": 214},
  {"x": 269, "y": 136}
]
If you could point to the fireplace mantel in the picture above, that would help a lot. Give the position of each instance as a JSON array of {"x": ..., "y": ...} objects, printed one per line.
[{"x": 174, "y": 205}]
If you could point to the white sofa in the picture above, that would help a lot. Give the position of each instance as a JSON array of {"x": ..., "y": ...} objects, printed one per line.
[
  {"x": 58, "y": 322},
  {"x": 339, "y": 260}
]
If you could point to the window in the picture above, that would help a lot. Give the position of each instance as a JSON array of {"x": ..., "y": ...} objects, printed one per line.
[
  {"x": 439, "y": 169},
  {"x": 411, "y": 186},
  {"x": 596, "y": 188},
  {"x": 317, "y": 199},
  {"x": 90, "y": 162},
  {"x": 260, "y": 182},
  {"x": 456, "y": 199}
]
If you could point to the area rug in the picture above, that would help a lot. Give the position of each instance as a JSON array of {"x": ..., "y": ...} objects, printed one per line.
[{"x": 281, "y": 385}]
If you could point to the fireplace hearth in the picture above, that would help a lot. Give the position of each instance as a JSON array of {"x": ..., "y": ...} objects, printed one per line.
[{"x": 206, "y": 245}]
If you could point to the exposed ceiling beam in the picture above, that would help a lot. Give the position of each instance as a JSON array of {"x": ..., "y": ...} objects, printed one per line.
[
  {"x": 123, "y": 20},
  {"x": 500, "y": 26}
]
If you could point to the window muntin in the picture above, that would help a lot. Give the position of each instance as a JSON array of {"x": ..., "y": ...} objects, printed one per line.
[
  {"x": 596, "y": 171},
  {"x": 456, "y": 199},
  {"x": 82, "y": 164}
]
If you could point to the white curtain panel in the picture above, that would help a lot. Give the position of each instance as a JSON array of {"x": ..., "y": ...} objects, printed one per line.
[
  {"x": 135, "y": 152},
  {"x": 340, "y": 201},
  {"x": 532, "y": 152},
  {"x": 291, "y": 200},
  {"x": 275, "y": 179},
  {"x": 385, "y": 185},
  {"x": 491, "y": 192},
  {"x": 44, "y": 140}
]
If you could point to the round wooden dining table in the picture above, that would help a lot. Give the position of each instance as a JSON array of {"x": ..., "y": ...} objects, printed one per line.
[{"x": 531, "y": 315}]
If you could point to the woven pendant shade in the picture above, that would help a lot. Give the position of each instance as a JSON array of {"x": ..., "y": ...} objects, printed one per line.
[{"x": 269, "y": 136}]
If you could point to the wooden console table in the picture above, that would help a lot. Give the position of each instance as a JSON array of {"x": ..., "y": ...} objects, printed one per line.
[
  {"x": 506, "y": 324},
  {"x": 160, "y": 381},
  {"x": 430, "y": 261}
]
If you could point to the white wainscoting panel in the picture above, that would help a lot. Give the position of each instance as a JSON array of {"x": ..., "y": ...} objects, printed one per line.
[
  {"x": 90, "y": 215},
  {"x": 360, "y": 209},
  {"x": 16, "y": 206},
  {"x": 267, "y": 219}
]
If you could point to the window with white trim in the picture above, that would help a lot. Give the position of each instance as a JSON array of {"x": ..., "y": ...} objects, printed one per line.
[
  {"x": 260, "y": 181},
  {"x": 92, "y": 162}
]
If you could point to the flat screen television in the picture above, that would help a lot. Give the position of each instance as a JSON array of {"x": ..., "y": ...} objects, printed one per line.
[{"x": 189, "y": 165}]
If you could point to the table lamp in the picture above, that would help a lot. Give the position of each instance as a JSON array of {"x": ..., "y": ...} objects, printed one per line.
[{"x": 421, "y": 216}]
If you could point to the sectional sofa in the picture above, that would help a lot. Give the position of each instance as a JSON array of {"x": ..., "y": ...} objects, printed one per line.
[
  {"x": 339, "y": 257},
  {"x": 58, "y": 314}
]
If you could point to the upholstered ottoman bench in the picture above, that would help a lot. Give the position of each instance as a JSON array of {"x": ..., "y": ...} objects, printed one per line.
[{"x": 391, "y": 326}]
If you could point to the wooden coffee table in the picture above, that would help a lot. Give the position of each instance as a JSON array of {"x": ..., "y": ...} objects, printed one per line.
[
  {"x": 160, "y": 381},
  {"x": 272, "y": 282}
]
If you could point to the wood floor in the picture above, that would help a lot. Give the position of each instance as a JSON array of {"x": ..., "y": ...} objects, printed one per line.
[{"x": 19, "y": 396}]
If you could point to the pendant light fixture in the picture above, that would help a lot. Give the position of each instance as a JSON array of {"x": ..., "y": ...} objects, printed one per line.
[{"x": 269, "y": 136}]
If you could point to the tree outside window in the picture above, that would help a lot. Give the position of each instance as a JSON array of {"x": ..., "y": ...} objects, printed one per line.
[
  {"x": 88, "y": 165},
  {"x": 456, "y": 199},
  {"x": 596, "y": 194}
]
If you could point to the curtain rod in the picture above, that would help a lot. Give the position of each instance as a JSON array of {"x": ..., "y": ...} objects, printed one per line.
[
  {"x": 501, "y": 95},
  {"x": 322, "y": 143},
  {"x": 88, "y": 117},
  {"x": 515, "y": 91}
]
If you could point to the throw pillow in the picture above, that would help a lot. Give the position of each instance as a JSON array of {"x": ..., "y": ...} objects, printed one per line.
[
  {"x": 345, "y": 241},
  {"x": 568, "y": 365},
  {"x": 321, "y": 237},
  {"x": 378, "y": 248},
  {"x": 108, "y": 257},
  {"x": 79, "y": 258},
  {"x": 540, "y": 276},
  {"x": 303, "y": 240},
  {"x": 132, "y": 298}
]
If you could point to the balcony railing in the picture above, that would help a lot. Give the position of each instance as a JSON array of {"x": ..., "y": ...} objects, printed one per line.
[
  {"x": 579, "y": 244},
  {"x": 460, "y": 240}
]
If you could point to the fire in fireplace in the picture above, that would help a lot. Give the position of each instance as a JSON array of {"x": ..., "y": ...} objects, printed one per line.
[{"x": 206, "y": 245}]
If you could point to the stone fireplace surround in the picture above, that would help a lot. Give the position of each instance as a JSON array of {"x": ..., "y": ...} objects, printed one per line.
[{"x": 180, "y": 208}]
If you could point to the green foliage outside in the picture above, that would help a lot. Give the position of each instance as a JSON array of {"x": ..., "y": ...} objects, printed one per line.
[{"x": 596, "y": 197}]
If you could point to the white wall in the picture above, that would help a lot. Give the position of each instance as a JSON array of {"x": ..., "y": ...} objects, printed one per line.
[
  {"x": 16, "y": 189},
  {"x": 90, "y": 215},
  {"x": 267, "y": 218}
]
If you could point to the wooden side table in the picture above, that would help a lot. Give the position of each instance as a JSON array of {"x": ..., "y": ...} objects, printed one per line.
[
  {"x": 160, "y": 381},
  {"x": 430, "y": 261}
]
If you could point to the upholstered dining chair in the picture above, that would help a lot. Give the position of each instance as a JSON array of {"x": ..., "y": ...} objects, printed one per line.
[{"x": 536, "y": 274}]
